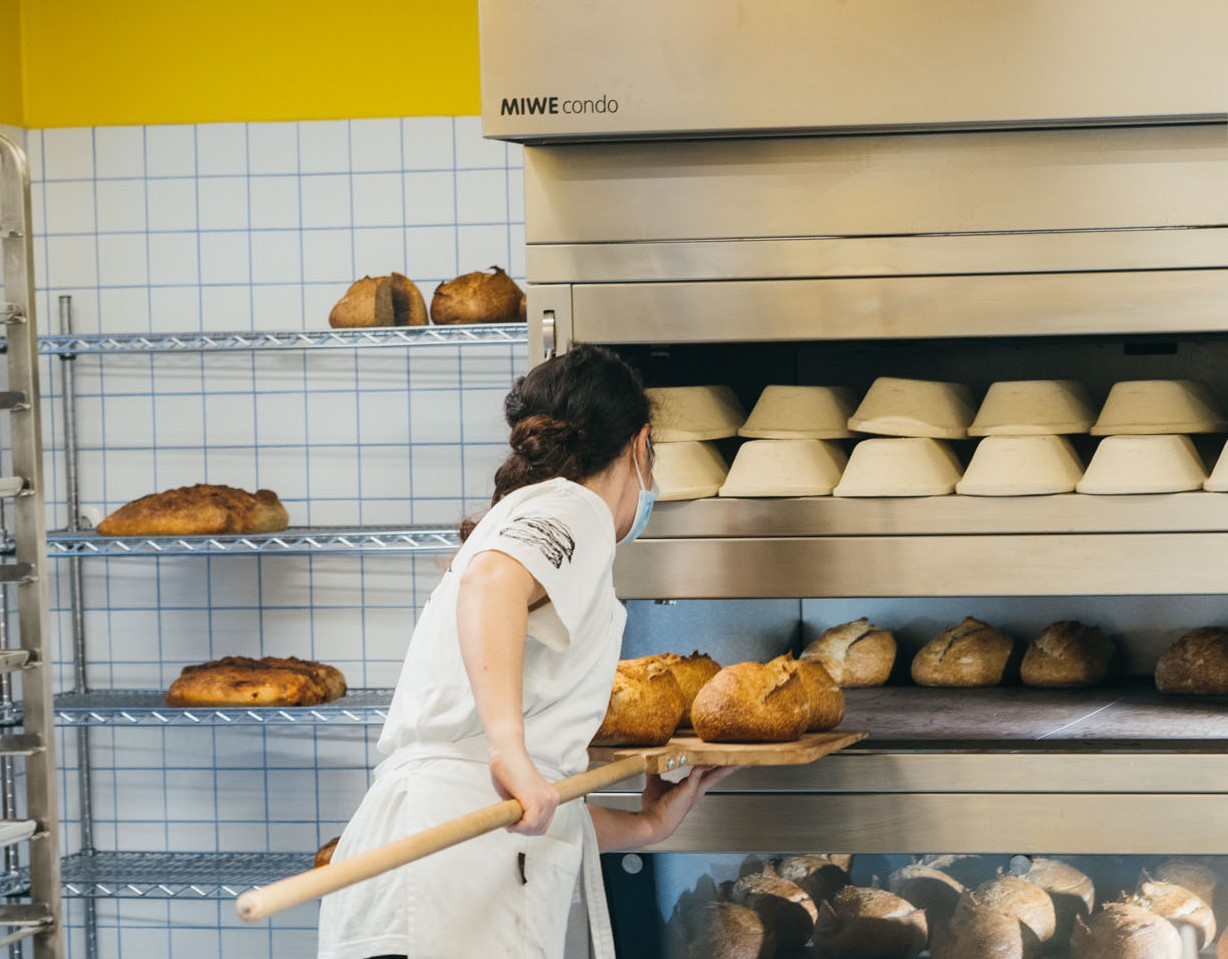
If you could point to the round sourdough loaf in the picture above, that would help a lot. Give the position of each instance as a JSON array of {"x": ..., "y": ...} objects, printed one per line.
[
  {"x": 785, "y": 907},
  {"x": 725, "y": 930},
  {"x": 1124, "y": 931},
  {"x": 1195, "y": 877},
  {"x": 824, "y": 700},
  {"x": 929, "y": 889},
  {"x": 855, "y": 654},
  {"x": 970, "y": 654},
  {"x": 752, "y": 702},
  {"x": 1178, "y": 905},
  {"x": 979, "y": 930},
  {"x": 1025, "y": 901},
  {"x": 691, "y": 672},
  {"x": 821, "y": 876},
  {"x": 861, "y": 923},
  {"x": 1072, "y": 892},
  {"x": 1197, "y": 663},
  {"x": 645, "y": 706},
  {"x": 1067, "y": 654}
]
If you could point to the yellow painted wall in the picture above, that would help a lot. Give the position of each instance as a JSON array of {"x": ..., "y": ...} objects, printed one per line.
[
  {"x": 10, "y": 62},
  {"x": 106, "y": 62}
]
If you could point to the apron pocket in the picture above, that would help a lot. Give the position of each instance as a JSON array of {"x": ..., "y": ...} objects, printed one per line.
[{"x": 550, "y": 870}]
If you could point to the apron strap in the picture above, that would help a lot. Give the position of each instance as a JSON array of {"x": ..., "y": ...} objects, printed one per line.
[{"x": 601, "y": 931}]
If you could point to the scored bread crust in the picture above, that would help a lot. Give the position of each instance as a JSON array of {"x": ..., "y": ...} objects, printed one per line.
[
  {"x": 785, "y": 907},
  {"x": 1125, "y": 931},
  {"x": 978, "y": 930},
  {"x": 1067, "y": 654},
  {"x": 824, "y": 699},
  {"x": 1024, "y": 900},
  {"x": 241, "y": 686},
  {"x": 862, "y": 923},
  {"x": 1197, "y": 663},
  {"x": 645, "y": 705},
  {"x": 691, "y": 672},
  {"x": 200, "y": 510},
  {"x": 751, "y": 702},
  {"x": 820, "y": 876},
  {"x": 855, "y": 654},
  {"x": 927, "y": 888},
  {"x": 970, "y": 654},
  {"x": 1194, "y": 876}
]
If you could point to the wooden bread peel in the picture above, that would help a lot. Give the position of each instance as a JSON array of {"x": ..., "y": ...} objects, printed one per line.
[{"x": 256, "y": 904}]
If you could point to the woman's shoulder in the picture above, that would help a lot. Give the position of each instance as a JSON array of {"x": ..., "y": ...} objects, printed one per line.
[{"x": 566, "y": 506}]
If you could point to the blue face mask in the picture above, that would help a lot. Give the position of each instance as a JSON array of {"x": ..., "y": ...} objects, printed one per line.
[{"x": 643, "y": 507}]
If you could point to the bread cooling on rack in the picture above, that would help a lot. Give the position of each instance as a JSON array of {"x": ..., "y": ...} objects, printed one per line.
[
  {"x": 271, "y": 681},
  {"x": 199, "y": 510}
]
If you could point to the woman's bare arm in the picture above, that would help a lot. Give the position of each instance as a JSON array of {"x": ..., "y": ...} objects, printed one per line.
[
  {"x": 663, "y": 806},
  {"x": 492, "y": 613}
]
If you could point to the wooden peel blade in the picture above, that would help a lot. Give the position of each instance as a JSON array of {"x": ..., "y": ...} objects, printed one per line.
[{"x": 295, "y": 890}]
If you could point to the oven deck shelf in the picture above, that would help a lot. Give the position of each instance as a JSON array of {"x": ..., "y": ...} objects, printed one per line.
[{"x": 147, "y": 707}]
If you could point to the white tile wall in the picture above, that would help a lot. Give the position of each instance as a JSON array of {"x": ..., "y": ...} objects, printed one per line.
[{"x": 259, "y": 226}]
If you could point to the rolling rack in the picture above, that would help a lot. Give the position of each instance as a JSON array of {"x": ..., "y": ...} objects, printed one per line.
[
  {"x": 91, "y": 874},
  {"x": 37, "y": 918}
]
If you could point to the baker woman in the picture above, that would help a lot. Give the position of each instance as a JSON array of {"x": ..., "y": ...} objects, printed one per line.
[{"x": 506, "y": 680}]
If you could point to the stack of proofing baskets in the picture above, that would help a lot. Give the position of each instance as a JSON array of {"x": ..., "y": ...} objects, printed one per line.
[{"x": 793, "y": 440}]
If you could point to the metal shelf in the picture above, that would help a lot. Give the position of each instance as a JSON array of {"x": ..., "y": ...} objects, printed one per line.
[
  {"x": 174, "y": 875},
  {"x": 80, "y": 344},
  {"x": 371, "y": 539},
  {"x": 147, "y": 707}
]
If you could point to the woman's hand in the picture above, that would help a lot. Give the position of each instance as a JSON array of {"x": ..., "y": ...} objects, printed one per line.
[
  {"x": 516, "y": 777},
  {"x": 663, "y": 805}
]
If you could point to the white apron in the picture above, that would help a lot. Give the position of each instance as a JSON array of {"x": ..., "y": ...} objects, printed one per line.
[{"x": 502, "y": 895}]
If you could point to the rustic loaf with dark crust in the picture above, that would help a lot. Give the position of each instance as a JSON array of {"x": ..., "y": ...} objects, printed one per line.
[
  {"x": 822, "y": 876},
  {"x": 1071, "y": 890},
  {"x": 200, "y": 510},
  {"x": 824, "y": 699},
  {"x": 1026, "y": 902},
  {"x": 854, "y": 654},
  {"x": 1067, "y": 654},
  {"x": 1194, "y": 876},
  {"x": 979, "y": 930},
  {"x": 272, "y": 681},
  {"x": 929, "y": 889},
  {"x": 1124, "y": 931},
  {"x": 751, "y": 702},
  {"x": 725, "y": 930},
  {"x": 1197, "y": 663},
  {"x": 970, "y": 654},
  {"x": 785, "y": 907},
  {"x": 645, "y": 705}
]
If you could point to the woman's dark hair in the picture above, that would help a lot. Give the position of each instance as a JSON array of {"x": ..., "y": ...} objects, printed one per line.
[{"x": 570, "y": 417}]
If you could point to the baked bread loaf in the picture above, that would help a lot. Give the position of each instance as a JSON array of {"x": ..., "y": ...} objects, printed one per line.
[
  {"x": 1072, "y": 892},
  {"x": 1197, "y": 663},
  {"x": 1124, "y": 931},
  {"x": 392, "y": 300},
  {"x": 970, "y": 654},
  {"x": 861, "y": 923},
  {"x": 824, "y": 700},
  {"x": 691, "y": 672},
  {"x": 1195, "y": 877},
  {"x": 751, "y": 702},
  {"x": 725, "y": 930},
  {"x": 1178, "y": 905},
  {"x": 324, "y": 855},
  {"x": 785, "y": 907},
  {"x": 1067, "y": 654},
  {"x": 477, "y": 298},
  {"x": 855, "y": 654},
  {"x": 821, "y": 876},
  {"x": 979, "y": 930},
  {"x": 645, "y": 705},
  {"x": 929, "y": 889},
  {"x": 1026, "y": 902},
  {"x": 199, "y": 510},
  {"x": 271, "y": 681}
]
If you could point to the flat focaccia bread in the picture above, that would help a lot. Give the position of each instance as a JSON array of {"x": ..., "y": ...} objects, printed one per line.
[
  {"x": 272, "y": 681},
  {"x": 198, "y": 510}
]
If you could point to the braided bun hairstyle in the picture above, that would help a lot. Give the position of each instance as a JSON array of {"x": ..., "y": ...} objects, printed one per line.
[{"x": 570, "y": 417}]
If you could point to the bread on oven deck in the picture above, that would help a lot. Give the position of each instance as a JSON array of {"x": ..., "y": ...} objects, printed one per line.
[
  {"x": 1067, "y": 654},
  {"x": 855, "y": 654},
  {"x": 200, "y": 510},
  {"x": 970, "y": 654},
  {"x": 1197, "y": 663}
]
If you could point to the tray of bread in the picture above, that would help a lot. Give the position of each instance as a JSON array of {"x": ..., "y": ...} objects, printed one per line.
[{"x": 689, "y": 711}]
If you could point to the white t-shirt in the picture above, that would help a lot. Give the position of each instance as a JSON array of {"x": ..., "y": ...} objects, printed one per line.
[{"x": 563, "y": 534}]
